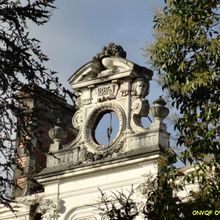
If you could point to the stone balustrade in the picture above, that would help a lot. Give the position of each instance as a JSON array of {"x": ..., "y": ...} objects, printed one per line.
[{"x": 64, "y": 156}]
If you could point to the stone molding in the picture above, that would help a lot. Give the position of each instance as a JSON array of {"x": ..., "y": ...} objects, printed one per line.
[
  {"x": 99, "y": 168},
  {"x": 77, "y": 119},
  {"x": 89, "y": 125},
  {"x": 113, "y": 84},
  {"x": 82, "y": 213}
]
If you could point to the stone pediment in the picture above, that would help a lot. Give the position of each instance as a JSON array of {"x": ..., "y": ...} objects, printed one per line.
[
  {"x": 111, "y": 100},
  {"x": 108, "y": 69}
]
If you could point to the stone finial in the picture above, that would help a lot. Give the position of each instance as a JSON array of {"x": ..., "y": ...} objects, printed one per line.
[
  {"x": 159, "y": 111},
  {"x": 57, "y": 134},
  {"x": 111, "y": 50}
]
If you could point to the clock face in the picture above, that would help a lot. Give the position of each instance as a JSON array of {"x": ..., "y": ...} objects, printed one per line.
[{"x": 103, "y": 127}]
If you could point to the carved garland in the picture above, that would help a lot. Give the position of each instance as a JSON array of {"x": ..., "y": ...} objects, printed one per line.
[
  {"x": 48, "y": 209},
  {"x": 87, "y": 132}
]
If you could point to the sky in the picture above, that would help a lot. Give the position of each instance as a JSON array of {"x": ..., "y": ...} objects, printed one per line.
[{"x": 79, "y": 29}]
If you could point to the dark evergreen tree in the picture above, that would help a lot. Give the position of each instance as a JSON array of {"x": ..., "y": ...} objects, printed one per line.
[{"x": 22, "y": 64}]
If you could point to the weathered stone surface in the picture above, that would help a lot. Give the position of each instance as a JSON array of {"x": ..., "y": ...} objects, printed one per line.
[
  {"x": 120, "y": 86},
  {"x": 76, "y": 170}
]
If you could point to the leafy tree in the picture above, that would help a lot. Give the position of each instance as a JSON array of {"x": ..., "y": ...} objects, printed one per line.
[
  {"x": 187, "y": 56},
  {"x": 118, "y": 206},
  {"x": 186, "y": 52},
  {"x": 22, "y": 65}
]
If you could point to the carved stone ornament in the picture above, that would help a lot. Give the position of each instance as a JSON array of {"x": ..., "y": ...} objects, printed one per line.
[
  {"x": 77, "y": 120},
  {"x": 57, "y": 133},
  {"x": 111, "y": 50},
  {"x": 124, "y": 89},
  {"x": 111, "y": 93},
  {"x": 107, "y": 92},
  {"x": 48, "y": 209},
  {"x": 86, "y": 156},
  {"x": 159, "y": 111},
  {"x": 107, "y": 51},
  {"x": 91, "y": 122},
  {"x": 140, "y": 106},
  {"x": 140, "y": 87}
]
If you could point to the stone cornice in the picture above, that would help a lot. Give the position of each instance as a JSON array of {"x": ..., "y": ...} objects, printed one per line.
[
  {"x": 29, "y": 199},
  {"x": 97, "y": 167}
]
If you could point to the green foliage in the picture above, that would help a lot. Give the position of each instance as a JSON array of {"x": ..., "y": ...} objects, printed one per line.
[
  {"x": 118, "y": 206},
  {"x": 186, "y": 53},
  {"x": 22, "y": 65},
  {"x": 161, "y": 204}
]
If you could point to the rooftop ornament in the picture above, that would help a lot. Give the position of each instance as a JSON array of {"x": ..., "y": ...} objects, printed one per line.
[
  {"x": 159, "y": 111},
  {"x": 57, "y": 134},
  {"x": 111, "y": 50},
  {"x": 107, "y": 51}
]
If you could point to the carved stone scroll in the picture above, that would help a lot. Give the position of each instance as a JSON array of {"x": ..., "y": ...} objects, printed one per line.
[
  {"x": 140, "y": 108},
  {"x": 77, "y": 120}
]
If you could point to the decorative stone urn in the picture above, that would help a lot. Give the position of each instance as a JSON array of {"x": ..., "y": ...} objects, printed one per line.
[
  {"x": 159, "y": 111},
  {"x": 57, "y": 134}
]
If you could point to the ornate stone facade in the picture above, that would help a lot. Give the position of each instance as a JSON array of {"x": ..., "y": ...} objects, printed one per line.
[
  {"x": 109, "y": 84},
  {"x": 121, "y": 87}
]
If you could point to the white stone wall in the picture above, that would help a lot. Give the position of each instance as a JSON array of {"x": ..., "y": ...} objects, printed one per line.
[{"x": 78, "y": 196}]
